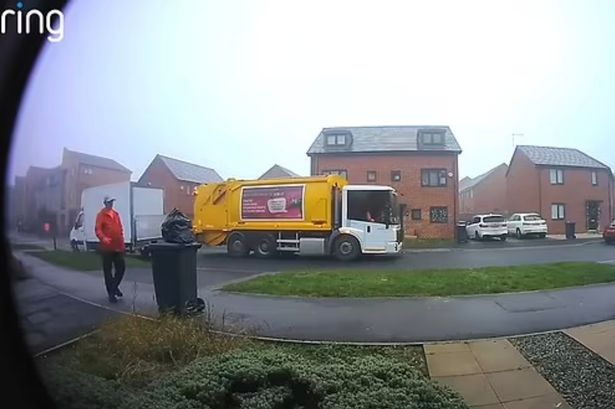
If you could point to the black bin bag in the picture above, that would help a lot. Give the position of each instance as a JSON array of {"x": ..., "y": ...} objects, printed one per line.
[{"x": 177, "y": 228}]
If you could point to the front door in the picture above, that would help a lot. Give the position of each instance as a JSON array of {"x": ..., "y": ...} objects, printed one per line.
[{"x": 593, "y": 215}]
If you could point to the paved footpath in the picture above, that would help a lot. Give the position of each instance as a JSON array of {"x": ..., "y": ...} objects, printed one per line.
[
  {"x": 491, "y": 374},
  {"x": 50, "y": 318},
  {"x": 599, "y": 338}
]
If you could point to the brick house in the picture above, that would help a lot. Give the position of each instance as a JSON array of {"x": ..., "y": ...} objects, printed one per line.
[
  {"x": 54, "y": 194},
  {"x": 278, "y": 172},
  {"x": 179, "y": 179},
  {"x": 420, "y": 162},
  {"x": 80, "y": 171},
  {"x": 18, "y": 203},
  {"x": 562, "y": 185},
  {"x": 485, "y": 193}
]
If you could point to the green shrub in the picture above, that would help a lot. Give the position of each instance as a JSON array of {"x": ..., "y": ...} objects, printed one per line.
[
  {"x": 272, "y": 379},
  {"x": 70, "y": 389}
]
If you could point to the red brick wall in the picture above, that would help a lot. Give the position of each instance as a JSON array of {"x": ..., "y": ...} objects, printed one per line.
[
  {"x": 489, "y": 195},
  {"x": 574, "y": 193},
  {"x": 158, "y": 175},
  {"x": 522, "y": 187},
  {"x": 411, "y": 192}
]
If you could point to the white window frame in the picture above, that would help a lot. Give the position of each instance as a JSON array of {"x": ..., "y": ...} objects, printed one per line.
[
  {"x": 556, "y": 176},
  {"x": 558, "y": 211},
  {"x": 336, "y": 139}
]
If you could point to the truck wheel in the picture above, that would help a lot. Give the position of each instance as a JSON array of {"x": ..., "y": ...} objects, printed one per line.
[
  {"x": 236, "y": 245},
  {"x": 518, "y": 234},
  {"x": 346, "y": 248},
  {"x": 265, "y": 246}
]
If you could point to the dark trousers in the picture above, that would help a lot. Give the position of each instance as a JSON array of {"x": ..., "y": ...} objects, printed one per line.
[{"x": 110, "y": 260}]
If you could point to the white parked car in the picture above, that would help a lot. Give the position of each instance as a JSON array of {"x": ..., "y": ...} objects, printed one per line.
[
  {"x": 487, "y": 225},
  {"x": 525, "y": 224}
]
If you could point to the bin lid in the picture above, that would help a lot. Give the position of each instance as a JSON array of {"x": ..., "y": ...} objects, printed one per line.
[{"x": 164, "y": 245}]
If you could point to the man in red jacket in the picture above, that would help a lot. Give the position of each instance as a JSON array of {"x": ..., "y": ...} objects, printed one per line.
[{"x": 110, "y": 232}]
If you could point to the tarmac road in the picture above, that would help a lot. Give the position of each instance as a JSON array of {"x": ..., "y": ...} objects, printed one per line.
[{"x": 482, "y": 254}]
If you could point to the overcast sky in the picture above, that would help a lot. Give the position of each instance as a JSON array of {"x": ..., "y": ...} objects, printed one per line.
[{"x": 240, "y": 85}]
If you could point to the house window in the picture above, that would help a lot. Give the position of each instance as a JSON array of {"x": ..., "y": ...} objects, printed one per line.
[
  {"x": 433, "y": 177},
  {"x": 341, "y": 172},
  {"x": 416, "y": 214},
  {"x": 471, "y": 194},
  {"x": 371, "y": 175},
  {"x": 336, "y": 139},
  {"x": 87, "y": 171},
  {"x": 396, "y": 175},
  {"x": 438, "y": 215},
  {"x": 594, "y": 179},
  {"x": 556, "y": 176},
  {"x": 558, "y": 211},
  {"x": 432, "y": 138},
  {"x": 181, "y": 187}
]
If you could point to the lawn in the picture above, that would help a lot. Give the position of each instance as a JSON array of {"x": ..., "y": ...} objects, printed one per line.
[
  {"x": 178, "y": 363},
  {"x": 83, "y": 261},
  {"x": 403, "y": 283}
]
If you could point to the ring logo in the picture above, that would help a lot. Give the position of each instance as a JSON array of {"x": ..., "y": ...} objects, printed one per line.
[{"x": 34, "y": 21}]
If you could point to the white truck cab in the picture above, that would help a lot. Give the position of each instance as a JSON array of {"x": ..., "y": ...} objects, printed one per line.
[{"x": 371, "y": 214}]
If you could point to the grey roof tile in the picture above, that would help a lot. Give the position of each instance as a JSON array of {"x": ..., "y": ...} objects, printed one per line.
[
  {"x": 97, "y": 161},
  {"x": 383, "y": 139},
  {"x": 189, "y": 172},
  {"x": 552, "y": 156},
  {"x": 475, "y": 181},
  {"x": 277, "y": 171}
]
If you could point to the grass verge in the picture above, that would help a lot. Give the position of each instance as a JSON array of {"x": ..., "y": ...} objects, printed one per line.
[
  {"x": 83, "y": 261},
  {"x": 403, "y": 283}
]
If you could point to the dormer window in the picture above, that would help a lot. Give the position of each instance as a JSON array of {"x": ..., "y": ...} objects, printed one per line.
[
  {"x": 338, "y": 139},
  {"x": 432, "y": 138}
]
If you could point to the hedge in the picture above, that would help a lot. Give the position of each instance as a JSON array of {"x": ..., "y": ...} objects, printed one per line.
[{"x": 273, "y": 379}]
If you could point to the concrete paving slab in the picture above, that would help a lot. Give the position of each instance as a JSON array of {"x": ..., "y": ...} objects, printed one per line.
[
  {"x": 553, "y": 401},
  {"x": 598, "y": 338},
  {"x": 497, "y": 356},
  {"x": 520, "y": 384},
  {"x": 446, "y": 347},
  {"x": 475, "y": 389},
  {"x": 452, "y": 363},
  {"x": 494, "y": 406}
]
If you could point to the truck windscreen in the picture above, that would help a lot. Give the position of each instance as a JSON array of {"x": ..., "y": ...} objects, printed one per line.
[{"x": 378, "y": 206}]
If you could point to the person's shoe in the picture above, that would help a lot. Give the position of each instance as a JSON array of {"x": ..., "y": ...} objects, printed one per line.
[
  {"x": 118, "y": 293},
  {"x": 112, "y": 299}
]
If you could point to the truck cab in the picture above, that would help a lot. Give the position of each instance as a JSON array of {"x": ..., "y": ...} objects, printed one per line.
[{"x": 371, "y": 215}]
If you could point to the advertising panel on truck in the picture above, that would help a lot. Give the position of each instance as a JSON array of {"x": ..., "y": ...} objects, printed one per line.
[{"x": 270, "y": 203}]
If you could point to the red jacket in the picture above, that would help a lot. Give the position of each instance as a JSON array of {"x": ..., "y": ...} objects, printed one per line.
[{"x": 109, "y": 230}]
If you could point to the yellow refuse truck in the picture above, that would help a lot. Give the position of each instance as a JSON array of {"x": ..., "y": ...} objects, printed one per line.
[{"x": 321, "y": 215}]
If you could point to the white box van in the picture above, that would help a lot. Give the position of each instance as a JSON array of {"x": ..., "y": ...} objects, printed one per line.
[{"x": 141, "y": 210}]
